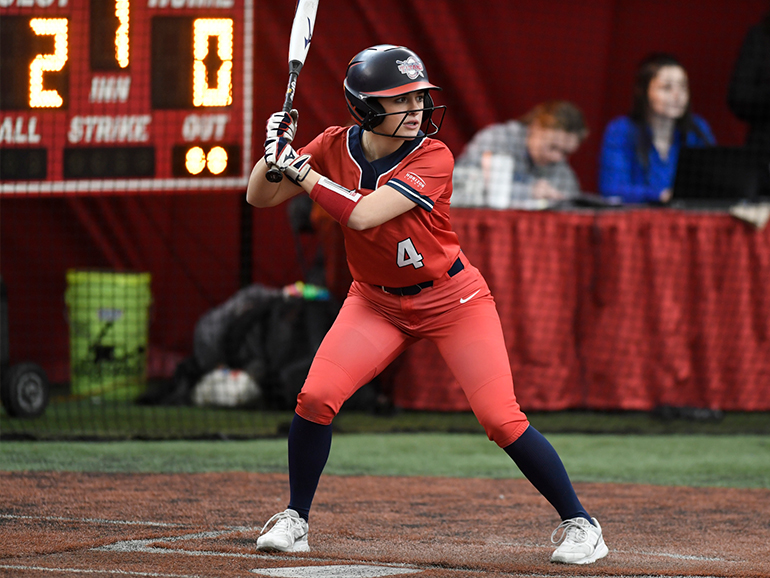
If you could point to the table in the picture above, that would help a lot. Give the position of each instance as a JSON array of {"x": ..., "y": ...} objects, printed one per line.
[{"x": 617, "y": 309}]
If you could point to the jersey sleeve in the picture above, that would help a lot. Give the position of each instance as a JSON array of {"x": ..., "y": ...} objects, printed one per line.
[{"x": 426, "y": 176}]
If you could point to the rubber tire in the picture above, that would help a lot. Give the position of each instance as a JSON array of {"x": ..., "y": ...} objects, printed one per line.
[{"x": 25, "y": 390}]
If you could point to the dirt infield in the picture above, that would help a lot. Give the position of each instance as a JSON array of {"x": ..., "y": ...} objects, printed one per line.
[{"x": 205, "y": 526}]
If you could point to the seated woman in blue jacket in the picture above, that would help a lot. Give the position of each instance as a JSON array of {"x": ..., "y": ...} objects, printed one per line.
[{"x": 640, "y": 151}]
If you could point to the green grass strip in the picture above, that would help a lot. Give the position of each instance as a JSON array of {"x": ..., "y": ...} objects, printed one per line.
[{"x": 739, "y": 461}]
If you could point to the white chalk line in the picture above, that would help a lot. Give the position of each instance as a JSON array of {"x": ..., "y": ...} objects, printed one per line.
[
  {"x": 144, "y": 546},
  {"x": 259, "y": 571},
  {"x": 674, "y": 556},
  {"x": 93, "y": 571},
  {"x": 94, "y": 521}
]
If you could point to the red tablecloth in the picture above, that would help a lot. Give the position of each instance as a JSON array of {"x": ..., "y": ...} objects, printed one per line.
[{"x": 617, "y": 309}]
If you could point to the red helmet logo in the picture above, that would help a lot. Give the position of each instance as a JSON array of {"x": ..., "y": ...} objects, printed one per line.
[{"x": 411, "y": 67}]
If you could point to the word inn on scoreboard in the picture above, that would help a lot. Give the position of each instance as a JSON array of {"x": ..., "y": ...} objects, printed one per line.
[{"x": 125, "y": 95}]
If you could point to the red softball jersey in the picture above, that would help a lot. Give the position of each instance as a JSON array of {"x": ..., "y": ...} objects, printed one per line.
[{"x": 416, "y": 246}]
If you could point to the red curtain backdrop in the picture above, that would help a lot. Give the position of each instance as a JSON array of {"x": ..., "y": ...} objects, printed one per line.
[{"x": 494, "y": 63}]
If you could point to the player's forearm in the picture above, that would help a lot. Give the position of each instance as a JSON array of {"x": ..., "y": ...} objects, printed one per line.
[
  {"x": 344, "y": 205},
  {"x": 378, "y": 207},
  {"x": 262, "y": 193},
  {"x": 352, "y": 209}
]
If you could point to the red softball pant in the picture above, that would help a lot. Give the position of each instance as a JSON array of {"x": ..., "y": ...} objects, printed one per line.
[{"x": 458, "y": 314}]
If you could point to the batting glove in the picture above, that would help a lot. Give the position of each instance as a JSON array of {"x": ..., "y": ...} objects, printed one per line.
[
  {"x": 276, "y": 149},
  {"x": 282, "y": 125},
  {"x": 280, "y": 154},
  {"x": 297, "y": 170}
]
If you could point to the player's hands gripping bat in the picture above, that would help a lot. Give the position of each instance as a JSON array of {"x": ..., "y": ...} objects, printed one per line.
[
  {"x": 281, "y": 155},
  {"x": 299, "y": 44},
  {"x": 282, "y": 125}
]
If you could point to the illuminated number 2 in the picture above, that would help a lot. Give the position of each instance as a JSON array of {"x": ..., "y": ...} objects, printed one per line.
[
  {"x": 222, "y": 29},
  {"x": 121, "y": 34},
  {"x": 56, "y": 27}
]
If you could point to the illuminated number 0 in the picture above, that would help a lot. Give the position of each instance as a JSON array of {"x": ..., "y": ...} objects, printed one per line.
[
  {"x": 408, "y": 255},
  {"x": 56, "y": 27},
  {"x": 222, "y": 29}
]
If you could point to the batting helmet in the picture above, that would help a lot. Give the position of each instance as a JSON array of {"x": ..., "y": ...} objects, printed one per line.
[{"x": 384, "y": 71}]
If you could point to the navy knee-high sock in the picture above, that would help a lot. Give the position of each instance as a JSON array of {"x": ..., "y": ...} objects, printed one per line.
[
  {"x": 309, "y": 447},
  {"x": 538, "y": 461}
]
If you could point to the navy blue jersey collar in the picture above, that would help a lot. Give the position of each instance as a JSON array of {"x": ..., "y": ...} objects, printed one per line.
[{"x": 370, "y": 172}]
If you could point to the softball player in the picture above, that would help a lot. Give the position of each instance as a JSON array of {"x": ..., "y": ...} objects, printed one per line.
[{"x": 389, "y": 184}]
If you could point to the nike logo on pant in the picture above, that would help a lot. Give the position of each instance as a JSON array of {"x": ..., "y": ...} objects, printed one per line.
[{"x": 465, "y": 300}]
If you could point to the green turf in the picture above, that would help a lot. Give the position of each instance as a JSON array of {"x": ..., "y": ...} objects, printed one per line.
[
  {"x": 692, "y": 460},
  {"x": 671, "y": 448}
]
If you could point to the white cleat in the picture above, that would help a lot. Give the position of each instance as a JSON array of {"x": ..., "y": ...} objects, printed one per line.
[
  {"x": 581, "y": 542},
  {"x": 288, "y": 534}
]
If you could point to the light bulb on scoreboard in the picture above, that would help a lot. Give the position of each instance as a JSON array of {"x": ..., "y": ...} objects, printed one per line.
[
  {"x": 221, "y": 93},
  {"x": 122, "y": 12},
  {"x": 38, "y": 96},
  {"x": 195, "y": 160},
  {"x": 216, "y": 160}
]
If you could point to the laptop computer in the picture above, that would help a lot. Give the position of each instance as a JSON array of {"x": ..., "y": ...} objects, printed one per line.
[{"x": 720, "y": 176}]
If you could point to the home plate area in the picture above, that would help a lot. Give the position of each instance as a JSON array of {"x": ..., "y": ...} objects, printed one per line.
[
  {"x": 336, "y": 571},
  {"x": 206, "y": 526}
]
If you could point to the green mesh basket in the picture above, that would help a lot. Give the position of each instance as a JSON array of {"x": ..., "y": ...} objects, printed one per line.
[{"x": 108, "y": 315}]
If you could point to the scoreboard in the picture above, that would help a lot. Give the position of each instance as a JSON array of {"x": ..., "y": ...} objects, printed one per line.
[{"x": 125, "y": 95}]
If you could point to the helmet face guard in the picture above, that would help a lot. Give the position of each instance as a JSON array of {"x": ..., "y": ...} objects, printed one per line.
[
  {"x": 373, "y": 117},
  {"x": 386, "y": 71}
]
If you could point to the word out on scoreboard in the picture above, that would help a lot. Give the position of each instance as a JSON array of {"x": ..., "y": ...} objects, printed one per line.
[{"x": 125, "y": 95}]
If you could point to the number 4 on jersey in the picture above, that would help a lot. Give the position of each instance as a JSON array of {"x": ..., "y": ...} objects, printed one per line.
[{"x": 408, "y": 255}]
